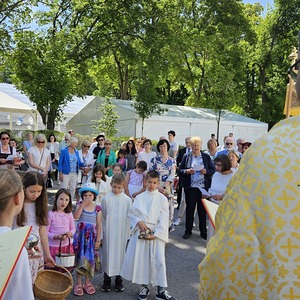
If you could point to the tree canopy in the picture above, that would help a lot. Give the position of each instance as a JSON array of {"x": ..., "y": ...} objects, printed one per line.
[{"x": 219, "y": 54}]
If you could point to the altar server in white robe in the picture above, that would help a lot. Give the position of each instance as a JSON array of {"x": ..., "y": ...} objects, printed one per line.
[
  {"x": 145, "y": 256},
  {"x": 116, "y": 228}
]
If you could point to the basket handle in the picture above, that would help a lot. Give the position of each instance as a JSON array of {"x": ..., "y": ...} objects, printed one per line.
[
  {"x": 59, "y": 249},
  {"x": 58, "y": 266}
]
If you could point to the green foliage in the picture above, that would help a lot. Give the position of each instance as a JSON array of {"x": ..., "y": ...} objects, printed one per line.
[
  {"x": 219, "y": 54},
  {"x": 43, "y": 73},
  {"x": 107, "y": 123}
]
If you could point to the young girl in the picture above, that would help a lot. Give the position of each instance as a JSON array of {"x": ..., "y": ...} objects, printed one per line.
[
  {"x": 117, "y": 169},
  {"x": 34, "y": 213},
  {"x": 11, "y": 203},
  {"x": 134, "y": 181},
  {"x": 87, "y": 239},
  {"x": 101, "y": 181},
  {"x": 122, "y": 160},
  {"x": 60, "y": 222}
]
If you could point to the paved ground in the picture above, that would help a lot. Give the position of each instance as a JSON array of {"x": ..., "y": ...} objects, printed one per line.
[{"x": 182, "y": 258}]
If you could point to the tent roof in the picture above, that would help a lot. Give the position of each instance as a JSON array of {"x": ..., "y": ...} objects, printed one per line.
[
  {"x": 10, "y": 104},
  {"x": 70, "y": 110},
  {"x": 191, "y": 112}
]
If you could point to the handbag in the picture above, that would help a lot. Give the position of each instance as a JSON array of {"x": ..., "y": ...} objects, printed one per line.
[
  {"x": 49, "y": 182},
  {"x": 66, "y": 260}
]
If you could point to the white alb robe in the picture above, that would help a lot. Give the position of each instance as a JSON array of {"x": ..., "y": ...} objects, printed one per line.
[
  {"x": 116, "y": 229},
  {"x": 145, "y": 260}
]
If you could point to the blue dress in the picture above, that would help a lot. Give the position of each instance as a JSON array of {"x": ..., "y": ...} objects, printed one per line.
[{"x": 87, "y": 259}]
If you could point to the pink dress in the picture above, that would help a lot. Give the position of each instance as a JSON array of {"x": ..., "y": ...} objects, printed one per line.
[{"x": 60, "y": 223}]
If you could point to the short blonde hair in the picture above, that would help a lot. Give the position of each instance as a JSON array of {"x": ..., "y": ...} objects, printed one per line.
[{"x": 195, "y": 139}]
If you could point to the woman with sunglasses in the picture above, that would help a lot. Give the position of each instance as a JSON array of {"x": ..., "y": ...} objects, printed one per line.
[
  {"x": 39, "y": 156},
  {"x": 107, "y": 158},
  {"x": 100, "y": 139},
  {"x": 87, "y": 158},
  {"x": 53, "y": 145},
  {"x": 131, "y": 155},
  {"x": 5, "y": 151},
  {"x": 219, "y": 183}
]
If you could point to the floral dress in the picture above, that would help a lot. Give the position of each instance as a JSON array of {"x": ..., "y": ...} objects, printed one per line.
[{"x": 87, "y": 258}]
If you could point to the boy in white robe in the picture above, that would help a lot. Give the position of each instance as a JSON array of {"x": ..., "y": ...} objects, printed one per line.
[
  {"x": 116, "y": 227},
  {"x": 145, "y": 257}
]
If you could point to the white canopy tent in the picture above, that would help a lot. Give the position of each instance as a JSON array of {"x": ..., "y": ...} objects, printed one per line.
[
  {"x": 13, "y": 106},
  {"x": 184, "y": 120}
]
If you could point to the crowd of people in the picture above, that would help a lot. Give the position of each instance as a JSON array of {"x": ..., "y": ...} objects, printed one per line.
[{"x": 123, "y": 195}]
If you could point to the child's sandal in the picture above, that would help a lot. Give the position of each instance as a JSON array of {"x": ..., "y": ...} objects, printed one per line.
[
  {"x": 89, "y": 289},
  {"x": 78, "y": 290}
]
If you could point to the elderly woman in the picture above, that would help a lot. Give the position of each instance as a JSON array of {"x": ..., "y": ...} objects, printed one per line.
[
  {"x": 234, "y": 157},
  {"x": 107, "y": 158},
  {"x": 196, "y": 169},
  {"x": 68, "y": 166},
  {"x": 219, "y": 183},
  {"x": 39, "y": 156},
  {"x": 87, "y": 157},
  {"x": 165, "y": 165}
]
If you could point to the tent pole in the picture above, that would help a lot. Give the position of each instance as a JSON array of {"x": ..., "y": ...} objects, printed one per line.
[{"x": 10, "y": 121}]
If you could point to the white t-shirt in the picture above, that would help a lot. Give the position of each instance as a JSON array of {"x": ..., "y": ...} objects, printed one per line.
[
  {"x": 146, "y": 157},
  {"x": 20, "y": 283}
]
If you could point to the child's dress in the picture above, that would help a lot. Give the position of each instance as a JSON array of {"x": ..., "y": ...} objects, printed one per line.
[
  {"x": 87, "y": 259},
  {"x": 38, "y": 260},
  {"x": 135, "y": 182},
  {"x": 123, "y": 162},
  {"x": 59, "y": 223}
]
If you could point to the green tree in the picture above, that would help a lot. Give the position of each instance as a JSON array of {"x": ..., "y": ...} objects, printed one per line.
[
  {"x": 45, "y": 75},
  {"x": 108, "y": 121},
  {"x": 146, "y": 101}
]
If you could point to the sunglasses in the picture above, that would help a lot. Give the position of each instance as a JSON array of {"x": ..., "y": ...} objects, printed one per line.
[
  {"x": 107, "y": 144},
  {"x": 86, "y": 146},
  {"x": 41, "y": 142},
  {"x": 219, "y": 165},
  {"x": 5, "y": 138},
  {"x": 229, "y": 144},
  {"x": 100, "y": 140}
]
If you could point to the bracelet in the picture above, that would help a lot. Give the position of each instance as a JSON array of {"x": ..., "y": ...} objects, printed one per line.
[{"x": 97, "y": 241}]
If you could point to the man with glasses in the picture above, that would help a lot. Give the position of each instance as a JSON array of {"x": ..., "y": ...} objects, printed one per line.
[
  {"x": 228, "y": 145},
  {"x": 63, "y": 144}
]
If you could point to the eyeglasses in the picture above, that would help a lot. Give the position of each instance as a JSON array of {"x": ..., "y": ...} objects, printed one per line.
[
  {"x": 86, "y": 146},
  {"x": 107, "y": 144},
  {"x": 100, "y": 140},
  {"x": 41, "y": 142},
  {"x": 5, "y": 138},
  {"x": 228, "y": 144},
  {"x": 219, "y": 165}
]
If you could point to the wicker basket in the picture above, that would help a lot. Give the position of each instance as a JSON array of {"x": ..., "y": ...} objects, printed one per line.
[
  {"x": 66, "y": 260},
  {"x": 53, "y": 285}
]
